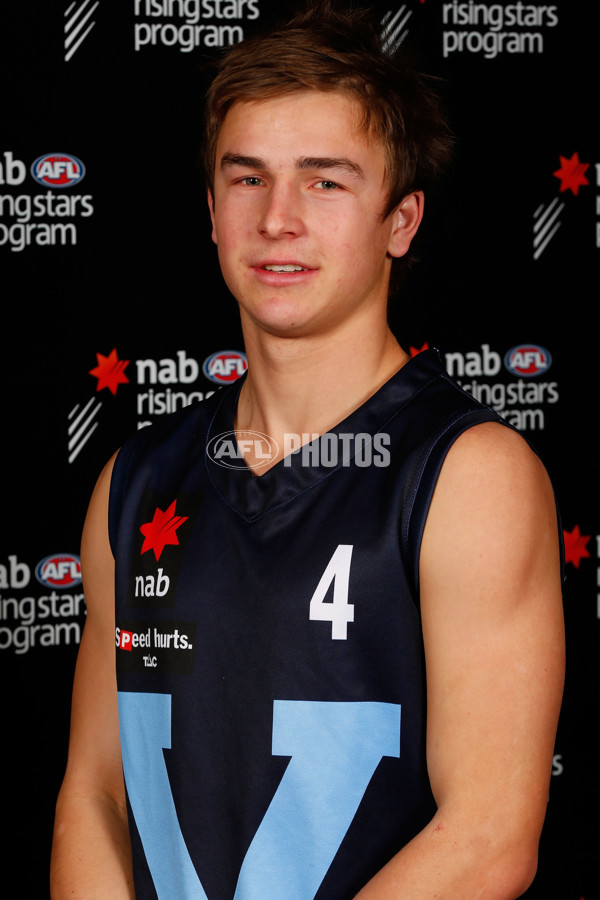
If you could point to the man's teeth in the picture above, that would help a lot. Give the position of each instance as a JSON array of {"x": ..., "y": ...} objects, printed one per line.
[{"x": 284, "y": 268}]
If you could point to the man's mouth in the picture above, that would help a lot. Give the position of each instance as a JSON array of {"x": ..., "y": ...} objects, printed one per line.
[{"x": 285, "y": 268}]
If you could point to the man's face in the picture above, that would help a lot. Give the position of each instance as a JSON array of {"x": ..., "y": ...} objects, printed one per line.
[{"x": 296, "y": 211}]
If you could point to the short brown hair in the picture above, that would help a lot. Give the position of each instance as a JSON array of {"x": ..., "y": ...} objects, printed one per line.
[{"x": 326, "y": 49}]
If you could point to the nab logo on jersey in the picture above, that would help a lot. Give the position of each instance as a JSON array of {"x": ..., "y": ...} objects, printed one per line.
[
  {"x": 225, "y": 366},
  {"x": 527, "y": 360},
  {"x": 60, "y": 570},
  {"x": 58, "y": 170}
]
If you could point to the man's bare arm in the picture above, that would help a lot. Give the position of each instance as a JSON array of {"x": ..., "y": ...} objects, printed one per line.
[
  {"x": 91, "y": 855},
  {"x": 493, "y": 631}
]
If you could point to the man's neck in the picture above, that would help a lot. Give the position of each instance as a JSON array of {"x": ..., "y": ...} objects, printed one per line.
[{"x": 309, "y": 385}]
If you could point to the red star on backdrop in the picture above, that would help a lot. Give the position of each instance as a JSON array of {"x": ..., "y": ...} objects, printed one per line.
[
  {"x": 413, "y": 351},
  {"x": 575, "y": 546},
  {"x": 571, "y": 173},
  {"x": 110, "y": 371},
  {"x": 161, "y": 530}
]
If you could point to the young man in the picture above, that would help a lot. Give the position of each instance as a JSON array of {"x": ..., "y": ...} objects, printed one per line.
[{"x": 339, "y": 670}]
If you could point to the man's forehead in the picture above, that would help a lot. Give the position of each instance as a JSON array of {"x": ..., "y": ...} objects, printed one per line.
[
  {"x": 246, "y": 109},
  {"x": 312, "y": 112},
  {"x": 298, "y": 93}
]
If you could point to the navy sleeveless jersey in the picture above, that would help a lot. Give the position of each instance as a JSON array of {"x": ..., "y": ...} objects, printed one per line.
[{"x": 269, "y": 651}]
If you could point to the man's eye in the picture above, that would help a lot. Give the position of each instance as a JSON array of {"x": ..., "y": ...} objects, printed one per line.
[
  {"x": 251, "y": 180},
  {"x": 327, "y": 185}
]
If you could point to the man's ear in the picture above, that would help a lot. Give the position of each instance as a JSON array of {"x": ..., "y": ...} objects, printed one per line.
[
  {"x": 211, "y": 206},
  {"x": 406, "y": 219}
]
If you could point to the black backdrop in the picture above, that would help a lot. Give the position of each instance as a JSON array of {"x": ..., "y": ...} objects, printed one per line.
[{"x": 112, "y": 302}]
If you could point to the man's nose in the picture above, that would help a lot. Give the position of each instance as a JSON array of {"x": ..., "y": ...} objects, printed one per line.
[{"x": 282, "y": 212}]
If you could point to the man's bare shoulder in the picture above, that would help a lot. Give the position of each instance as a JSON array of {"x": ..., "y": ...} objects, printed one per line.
[
  {"x": 492, "y": 527},
  {"x": 492, "y": 457}
]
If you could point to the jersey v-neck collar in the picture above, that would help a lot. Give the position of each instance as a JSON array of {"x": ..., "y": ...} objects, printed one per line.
[{"x": 252, "y": 496}]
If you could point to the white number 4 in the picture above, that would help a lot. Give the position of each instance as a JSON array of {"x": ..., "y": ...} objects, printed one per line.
[{"x": 337, "y": 611}]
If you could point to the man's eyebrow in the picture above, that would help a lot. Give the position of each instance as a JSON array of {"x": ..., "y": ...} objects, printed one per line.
[
  {"x": 246, "y": 162},
  {"x": 341, "y": 163},
  {"x": 330, "y": 162}
]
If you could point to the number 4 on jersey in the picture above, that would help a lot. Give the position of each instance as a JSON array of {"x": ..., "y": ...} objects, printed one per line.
[{"x": 337, "y": 611}]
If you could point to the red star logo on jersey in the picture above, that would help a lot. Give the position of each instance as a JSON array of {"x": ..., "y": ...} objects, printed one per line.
[
  {"x": 110, "y": 371},
  {"x": 571, "y": 173},
  {"x": 575, "y": 546},
  {"x": 161, "y": 530}
]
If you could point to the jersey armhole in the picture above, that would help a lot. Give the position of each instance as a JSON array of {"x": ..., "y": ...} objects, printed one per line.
[{"x": 127, "y": 457}]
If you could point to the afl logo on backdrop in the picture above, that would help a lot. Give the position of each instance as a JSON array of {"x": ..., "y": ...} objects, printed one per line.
[
  {"x": 59, "y": 570},
  {"x": 225, "y": 366},
  {"x": 527, "y": 360},
  {"x": 58, "y": 170}
]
